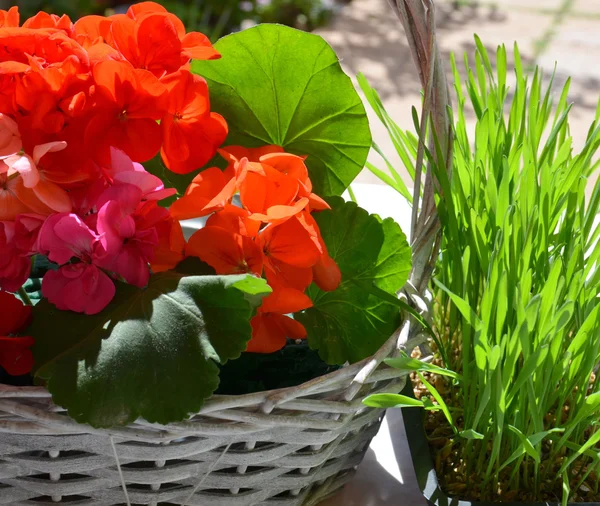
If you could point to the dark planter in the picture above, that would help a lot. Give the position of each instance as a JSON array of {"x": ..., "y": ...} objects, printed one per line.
[{"x": 425, "y": 471}]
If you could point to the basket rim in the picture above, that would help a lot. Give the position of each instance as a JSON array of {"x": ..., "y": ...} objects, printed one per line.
[{"x": 220, "y": 401}]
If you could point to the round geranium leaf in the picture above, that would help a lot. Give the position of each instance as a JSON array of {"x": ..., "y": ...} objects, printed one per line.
[
  {"x": 151, "y": 353},
  {"x": 353, "y": 321},
  {"x": 278, "y": 85}
]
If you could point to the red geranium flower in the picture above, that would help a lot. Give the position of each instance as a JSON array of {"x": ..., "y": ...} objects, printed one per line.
[{"x": 15, "y": 356}]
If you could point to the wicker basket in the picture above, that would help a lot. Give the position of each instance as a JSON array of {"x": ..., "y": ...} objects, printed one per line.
[{"x": 285, "y": 447}]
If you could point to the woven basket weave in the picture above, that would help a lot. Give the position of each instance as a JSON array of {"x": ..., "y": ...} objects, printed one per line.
[{"x": 285, "y": 447}]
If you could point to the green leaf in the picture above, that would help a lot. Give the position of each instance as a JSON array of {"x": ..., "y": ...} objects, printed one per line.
[
  {"x": 527, "y": 446},
  {"x": 439, "y": 399},
  {"x": 412, "y": 364},
  {"x": 392, "y": 401},
  {"x": 462, "y": 305},
  {"x": 351, "y": 323},
  {"x": 470, "y": 434},
  {"x": 150, "y": 353},
  {"x": 277, "y": 85}
]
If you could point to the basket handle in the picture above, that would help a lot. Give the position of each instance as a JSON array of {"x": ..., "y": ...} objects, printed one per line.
[{"x": 418, "y": 19}]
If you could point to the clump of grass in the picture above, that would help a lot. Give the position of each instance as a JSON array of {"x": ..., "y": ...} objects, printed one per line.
[{"x": 517, "y": 290}]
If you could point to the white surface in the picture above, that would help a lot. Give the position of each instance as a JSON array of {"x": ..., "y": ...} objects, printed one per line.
[
  {"x": 384, "y": 201},
  {"x": 386, "y": 475}
]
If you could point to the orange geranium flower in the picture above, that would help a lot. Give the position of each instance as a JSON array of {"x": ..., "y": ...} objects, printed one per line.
[
  {"x": 270, "y": 195},
  {"x": 191, "y": 132},
  {"x": 194, "y": 45},
  {"x": 275, "y": 157},
  {"x": 326, "y": 272},
  {"x": 130, "y": 101},
  {"x": 290, "y": 252},
  {"x": 271, "y": 327},
  {"x": 44, "y": 20},
  {"x": 90, "y": 30},
  {"x": 208, "y": 192},
  {"x": 233, "y": 155},
  {"x": 171, "y": 246},
  {"x": 270, "y": 331},
  {"x": 235, "y": 219},
  {"x": 151, "y": 38},
  {"x": 49, "y": 97},
  {"x": 23, "y": 49},
  {"x": 9, "y": 18},
  {"x": 293, "y": 166},
  {"x": 225, "y": 251}
]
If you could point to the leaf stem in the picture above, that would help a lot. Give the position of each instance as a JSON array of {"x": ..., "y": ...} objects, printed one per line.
[{"x": 25, "y": 297}]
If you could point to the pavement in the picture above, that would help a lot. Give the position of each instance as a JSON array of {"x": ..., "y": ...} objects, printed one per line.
[{"x": 369, "y": 39}]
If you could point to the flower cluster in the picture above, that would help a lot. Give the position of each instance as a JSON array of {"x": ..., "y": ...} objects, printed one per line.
[
  {"x": 112, "y": 227},
  {"x": 107, "y": 82},
  {"x": 81, "y": 104},
  {"x": 271, "y": 233}
]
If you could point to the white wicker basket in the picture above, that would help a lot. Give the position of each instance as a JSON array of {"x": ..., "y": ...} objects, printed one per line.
[{"x": 285, "y": 447}]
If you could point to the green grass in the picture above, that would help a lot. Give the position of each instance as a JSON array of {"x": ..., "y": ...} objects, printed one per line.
[{"x": 517, "y": 283}]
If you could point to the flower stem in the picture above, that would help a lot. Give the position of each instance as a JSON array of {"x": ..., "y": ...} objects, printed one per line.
[{"x": 25, "y": 297}]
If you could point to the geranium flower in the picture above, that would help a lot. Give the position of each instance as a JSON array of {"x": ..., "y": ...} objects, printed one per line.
[
  {"x": 10, "y": 139},
  {"x": 45, "y": 196},
  {"x": 271, "y": 326},
  {"x": 14, "y": 264},
  {"x": 290, "y": 252},
  {"x": 225, "y": 251},
  {"x": 129, "y": 249},
  {"x": 9, "y": 18},
  {"x": 191, "y": 132},
  {"x": 26, "y": 49},
  {"x": 50, "y": 97},
  {"x": 208, "y": 192},
  {"x": 150, "y": 37},
  {"x": 233, "y": 155},
  {"x": 235, "y": 219},
  {"x": 15, "y": 356},
  {"x": 80, "y": 286},
  {"x": 129, "y": 102},
  {"x": 124, "y": 171},
  {"x": 326, "y": 272},
  {"x": 271, "y": 196},
  {"x": 44, "y": 20},
  {"x": 293, "y": 166},
  {"x": 171, "y": 245},
  {"x": 27, "y": 228}
]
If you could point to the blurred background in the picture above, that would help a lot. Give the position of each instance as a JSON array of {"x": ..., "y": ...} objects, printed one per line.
[
  {"x": 368, "y": 38},
  {"x": 561, "y": 34},
  {"x": 214, "y": 18}
]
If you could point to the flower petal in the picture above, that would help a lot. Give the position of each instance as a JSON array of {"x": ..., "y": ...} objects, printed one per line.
[{"x": 15, "y": 315}]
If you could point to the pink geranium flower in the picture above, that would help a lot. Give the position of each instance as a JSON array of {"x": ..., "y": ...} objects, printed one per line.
[
  {"x": 80, "y": 286},
  {"x": 124, "y": 171},
  {"x": 129, "y": 249}
]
